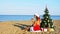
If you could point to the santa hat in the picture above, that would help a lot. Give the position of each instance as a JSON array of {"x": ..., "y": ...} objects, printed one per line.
[{"x": 36, "y": 15}]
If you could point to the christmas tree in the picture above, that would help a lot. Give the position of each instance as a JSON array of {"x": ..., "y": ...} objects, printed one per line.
[{"x": 47, "y": 21}]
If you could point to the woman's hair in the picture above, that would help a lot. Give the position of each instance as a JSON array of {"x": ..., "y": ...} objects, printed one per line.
[{"x": 37, "y": 18}]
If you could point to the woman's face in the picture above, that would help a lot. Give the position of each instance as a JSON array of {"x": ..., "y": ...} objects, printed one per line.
[{"x": 34, "y": 16}]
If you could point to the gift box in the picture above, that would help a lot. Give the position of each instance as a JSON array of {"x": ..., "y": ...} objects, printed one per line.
[
  {"x": 51, "y": 29},
  {"x": 44, "y": 29}
]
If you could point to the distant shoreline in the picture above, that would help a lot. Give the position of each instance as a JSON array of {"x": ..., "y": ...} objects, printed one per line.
[
  {"x": 22, "y": 17},
  {"x": 21, "y": 20}
]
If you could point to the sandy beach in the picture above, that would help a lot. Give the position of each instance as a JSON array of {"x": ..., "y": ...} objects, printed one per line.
[{"x": 14, "y": 27}]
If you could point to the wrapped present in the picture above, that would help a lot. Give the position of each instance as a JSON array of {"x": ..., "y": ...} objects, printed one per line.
[
  {"x": 44, "y": 29},
  {"x": 50, "y": 29}
]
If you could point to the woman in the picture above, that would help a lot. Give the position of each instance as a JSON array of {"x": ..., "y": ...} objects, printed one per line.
[{"x": 36, "y": 23}]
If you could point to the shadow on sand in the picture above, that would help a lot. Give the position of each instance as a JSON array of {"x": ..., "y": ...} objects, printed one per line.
[{"x": 22, "y": 26}]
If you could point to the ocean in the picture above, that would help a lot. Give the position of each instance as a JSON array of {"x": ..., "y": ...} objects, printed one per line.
[{"x": 22, "y": 17}]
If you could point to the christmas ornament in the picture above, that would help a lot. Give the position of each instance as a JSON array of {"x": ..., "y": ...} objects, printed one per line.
[{"x": 47, "y": 22}]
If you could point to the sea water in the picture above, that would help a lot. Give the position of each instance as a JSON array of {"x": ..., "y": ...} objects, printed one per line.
[{"x": 22, "y": 17}]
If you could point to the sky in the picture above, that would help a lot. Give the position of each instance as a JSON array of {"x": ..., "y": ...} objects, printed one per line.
[{"x": 29, "y": 7}]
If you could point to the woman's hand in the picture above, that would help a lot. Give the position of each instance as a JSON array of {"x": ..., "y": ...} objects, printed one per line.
[{"x": 32, "y": 20}]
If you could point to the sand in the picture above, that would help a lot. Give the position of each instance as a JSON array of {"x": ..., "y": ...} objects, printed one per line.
[{"x": 14, "y": 27}]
